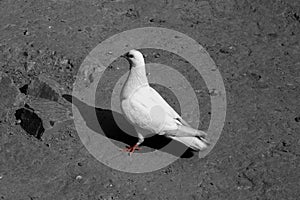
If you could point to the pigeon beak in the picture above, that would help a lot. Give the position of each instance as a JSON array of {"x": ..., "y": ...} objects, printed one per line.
[
  {"x": 127, "y": 58},
  {"x": 124, "y": 55}
]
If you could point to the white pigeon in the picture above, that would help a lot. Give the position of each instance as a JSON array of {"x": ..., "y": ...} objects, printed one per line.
[{"x": 148, "y": 112}]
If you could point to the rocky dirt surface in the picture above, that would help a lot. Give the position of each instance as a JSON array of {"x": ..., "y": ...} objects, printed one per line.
[{"x": 255, "y": 44}]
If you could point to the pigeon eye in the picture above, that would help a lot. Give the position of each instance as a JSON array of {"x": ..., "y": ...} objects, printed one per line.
[{"x": 130, "y": 56}]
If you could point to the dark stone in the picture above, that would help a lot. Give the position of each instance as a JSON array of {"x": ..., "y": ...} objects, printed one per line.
[
  {"x": 255, "y": 76},
  {"x": 131, "y": 13},
  {"x": 67, "y": 97},
  {"x": 24, "y": 89},
  {"x": 273, "y": 35},
  {"x": 224, "y": 50},
  {"x": 297, "y": 17},
  {"x": 30, "y": 121},
  {"x": 52, "y": 122},
  {"x": 25, "y": 54}
]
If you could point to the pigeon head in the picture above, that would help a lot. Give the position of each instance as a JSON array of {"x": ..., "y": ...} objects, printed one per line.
[{"x": 135, "y": 58}]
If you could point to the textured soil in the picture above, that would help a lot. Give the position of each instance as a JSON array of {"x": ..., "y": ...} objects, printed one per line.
[{"x": 255, "y": 45}]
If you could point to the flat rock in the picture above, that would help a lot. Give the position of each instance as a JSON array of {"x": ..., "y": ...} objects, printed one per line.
[
  {"x": 8, "y": 93},
  {"x": 50, "y": 112},
  {"x": 44, "y": 87}
]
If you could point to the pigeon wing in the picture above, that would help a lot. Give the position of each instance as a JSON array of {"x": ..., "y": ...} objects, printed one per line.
[
  {"x": 172, "y": 120},
  {"x": 148, "y": 110}
]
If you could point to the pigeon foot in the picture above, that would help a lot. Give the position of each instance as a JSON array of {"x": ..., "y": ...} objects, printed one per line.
[{"x": 131, "y": 149}]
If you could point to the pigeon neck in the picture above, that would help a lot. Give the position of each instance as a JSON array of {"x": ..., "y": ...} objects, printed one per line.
[
  {"x": 137, "y": 76},
  {"x": 136, "y": 79}
]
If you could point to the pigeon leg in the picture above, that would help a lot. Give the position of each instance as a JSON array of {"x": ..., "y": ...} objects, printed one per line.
[{"x": 131, "y": 149}]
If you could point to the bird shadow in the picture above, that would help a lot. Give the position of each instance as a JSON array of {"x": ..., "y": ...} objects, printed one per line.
[{"x": 114, "y": 126}]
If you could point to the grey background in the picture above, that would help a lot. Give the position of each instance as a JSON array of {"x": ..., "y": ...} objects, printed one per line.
[{"x": 255, "y": 45}]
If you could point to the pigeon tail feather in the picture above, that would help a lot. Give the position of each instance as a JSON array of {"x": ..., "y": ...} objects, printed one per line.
[{"x": 192, "y": 142}]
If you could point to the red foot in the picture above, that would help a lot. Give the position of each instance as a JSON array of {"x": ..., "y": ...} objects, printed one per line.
[{"x": 132, "y": 149}]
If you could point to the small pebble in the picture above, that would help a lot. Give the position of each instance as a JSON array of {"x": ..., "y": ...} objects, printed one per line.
[
  {"x": 78, "y": 177},
  {"x": 52, "y": 122},
  {"x": 63, "y": 137},
  {"x": 64, "y": 61},
  {"x": 26, "y": 32},
  {"x": 30, "y": 66},
  {"x": 88, "y": 29},
  {"x": 25, "y": 54},
  {"x": 156, "y": 55},
  {"x": 213, "y": 92}
]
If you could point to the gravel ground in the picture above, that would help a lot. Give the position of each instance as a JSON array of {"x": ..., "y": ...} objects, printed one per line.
[{"x": 255, "y": 45}]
